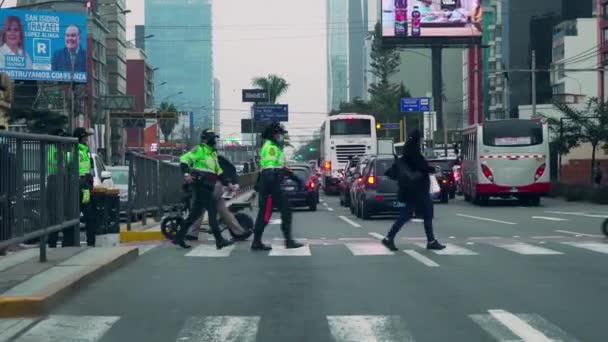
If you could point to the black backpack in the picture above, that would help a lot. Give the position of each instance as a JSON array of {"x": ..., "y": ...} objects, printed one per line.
[{"x": 407, "y": 178}]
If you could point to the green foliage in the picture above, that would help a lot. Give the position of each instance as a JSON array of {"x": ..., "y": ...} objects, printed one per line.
[
  {"x": 274, "y": 84},
  {"x": 310, "y": 150},
  {"x": 38, "y": 121},
  {"x": 167, "y": 125}
]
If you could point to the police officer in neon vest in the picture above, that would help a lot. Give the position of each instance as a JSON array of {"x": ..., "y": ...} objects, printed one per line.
[
  {"x": 272, "y": 174},
  {"x": 53, "y": 185},
  {"x": 202, "y": 169},
  {"x": 85, "y": 173}
]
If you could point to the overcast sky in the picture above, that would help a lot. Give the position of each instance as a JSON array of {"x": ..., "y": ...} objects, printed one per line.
[{"x": 258, "y": 37}]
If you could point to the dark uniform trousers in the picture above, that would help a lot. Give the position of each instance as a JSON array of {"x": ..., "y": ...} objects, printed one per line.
[
  {"x": 54, "y": 186},
  {"x": 86, "y": 182},
  {"x": 203, "y": 199},
  {"x": 271, "y": 194}
]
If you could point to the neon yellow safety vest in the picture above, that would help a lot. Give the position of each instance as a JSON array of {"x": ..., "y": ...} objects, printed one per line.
[
  {"x": 202, "y": 158},
  {"x": 53, "y": 163},
  {"x": 271, "y": 156},
  {"x": 84, "y": 164}
]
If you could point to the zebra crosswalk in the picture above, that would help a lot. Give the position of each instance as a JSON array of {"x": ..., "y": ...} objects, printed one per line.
[{"x": 495, "y": 324}]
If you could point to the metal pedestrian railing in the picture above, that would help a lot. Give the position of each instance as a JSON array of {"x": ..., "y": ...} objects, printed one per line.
[{"x": 38, "y": 188}]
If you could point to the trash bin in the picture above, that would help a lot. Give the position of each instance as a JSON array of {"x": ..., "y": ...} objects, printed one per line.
[{"x": 112, "y": 211}]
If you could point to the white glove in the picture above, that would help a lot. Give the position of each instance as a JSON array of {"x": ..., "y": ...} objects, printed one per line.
[{"x": 234, "y": 187}]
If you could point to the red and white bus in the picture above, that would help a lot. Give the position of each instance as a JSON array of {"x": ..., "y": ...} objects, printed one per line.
[{"x": 506, "y": 158}]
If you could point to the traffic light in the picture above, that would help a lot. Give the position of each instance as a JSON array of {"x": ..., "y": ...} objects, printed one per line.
[
  {"x": 378, "y": 126},
  {"x": 312, "y": 149}
]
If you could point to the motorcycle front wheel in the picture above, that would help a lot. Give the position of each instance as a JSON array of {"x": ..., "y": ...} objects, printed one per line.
[{"x": 169, "y": 226}]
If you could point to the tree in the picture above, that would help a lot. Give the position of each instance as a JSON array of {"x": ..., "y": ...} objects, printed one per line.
[
  {"x": 274, "y": 84},
  {"x": 38, "y": 121},
  {"x": 589, "y": 125},
  {"x": 384, "y": 64},
  {"x": 167, "y": 125}
]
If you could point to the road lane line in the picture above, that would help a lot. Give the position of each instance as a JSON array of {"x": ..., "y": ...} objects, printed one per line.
[
  {"x": 220, "y": 329},
  {"x": 450, "y": 249},
  {"x": 275, "y": 221},
  {"x": 548, "y": 218},
  {"x": 371, "y": 248},
  {"x": 575, "y": 213},
  {"x": 349, "y": 221},
  {"x": 590, "y": 246},
  {"x": 330, "y": 209},
  {"x": 578, "y": 234},
  {"x": 368, "y": 328},
  {"x": 209, "y": 251},
  {"x": 547, "y": 237},
  {"x": 519, "y": 327},
  {"x": 69, "y": 328},
  {"x": 485, "y": 219},
  {"x": 325, "y": 204},
  {"x": 428, "y": 262},
  {"x": 377, "y": 235},
  {"x": 145, "y": 248},
  {"x": 280, "y": 250},
  {"x": 528, "y": 249}
]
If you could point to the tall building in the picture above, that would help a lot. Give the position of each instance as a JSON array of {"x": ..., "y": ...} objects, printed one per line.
[
  {"x": 113, "y": 11},
  {"x": 181, "y": 47},
  {"x": 216, "y": 105},
  {"x": 140, "y": 34},
  {"x": 602, "y": 41}
]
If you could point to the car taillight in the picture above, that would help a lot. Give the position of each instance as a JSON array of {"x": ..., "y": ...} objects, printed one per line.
[
  {"x": 371, "y": 180},
  {"x": 311, "y": 185},
  {"x": 445, "y": 181},
  {"x": 540, "y": 171},
  {"x": 487, "y": 172},
  {"x": 379, "y": 198},
  {"x": 328, "y": 165}
]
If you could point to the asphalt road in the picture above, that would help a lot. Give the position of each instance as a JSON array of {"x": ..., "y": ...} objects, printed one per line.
[{"x": 509, "y": 274}]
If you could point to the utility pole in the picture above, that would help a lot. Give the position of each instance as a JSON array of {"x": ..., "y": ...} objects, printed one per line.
[
  {"x": 533, "y": 83},
  {"x": 71, "y": 117}
]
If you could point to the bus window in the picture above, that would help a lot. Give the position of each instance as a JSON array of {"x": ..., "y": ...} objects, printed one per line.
[
  {"x": 512, "y": 133},
  {"x": 350, "y": 127}
]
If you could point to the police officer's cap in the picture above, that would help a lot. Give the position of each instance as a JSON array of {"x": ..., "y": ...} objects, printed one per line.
[
  {"x": 208, "y": 134},
  {"x": 81, "y": 132}
]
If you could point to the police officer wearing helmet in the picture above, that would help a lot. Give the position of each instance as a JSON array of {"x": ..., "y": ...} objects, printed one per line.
[
  {"x": 85, "y": 173},
  {"x": 53, "y": 185},
  {"x": 273, "y": 171},
  {"x": 202, "y": 169}
]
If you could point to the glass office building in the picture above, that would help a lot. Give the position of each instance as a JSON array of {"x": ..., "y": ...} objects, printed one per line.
[{"x": 181, "y": 47}]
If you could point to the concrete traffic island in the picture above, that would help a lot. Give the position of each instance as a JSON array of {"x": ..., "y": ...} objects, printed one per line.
[{"x": 31, "y": 288}]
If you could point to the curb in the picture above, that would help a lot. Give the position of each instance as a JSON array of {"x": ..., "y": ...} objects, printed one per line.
[
  {"x": 144, "y": 235},
  {"x": 41, "y": 303}
]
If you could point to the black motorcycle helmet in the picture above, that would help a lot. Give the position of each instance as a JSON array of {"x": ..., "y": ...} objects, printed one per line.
[
  {"x": 209, "y": 136},
  {"x": 273, "y": 129}
]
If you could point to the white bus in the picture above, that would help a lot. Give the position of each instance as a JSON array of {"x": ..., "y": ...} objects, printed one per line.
[
  {"x": 506, "y": 158},
  {"x": 344, "y": 136}
]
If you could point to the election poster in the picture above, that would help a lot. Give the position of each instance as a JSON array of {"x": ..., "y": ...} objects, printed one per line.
[{"x": 43, "y": 46}]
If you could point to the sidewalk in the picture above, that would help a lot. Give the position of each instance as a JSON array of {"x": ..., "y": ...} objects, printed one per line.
[{"x": 29, "y": 287}]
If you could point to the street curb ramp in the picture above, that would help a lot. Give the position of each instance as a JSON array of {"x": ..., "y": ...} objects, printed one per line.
[{"x": 42, "y": 302}]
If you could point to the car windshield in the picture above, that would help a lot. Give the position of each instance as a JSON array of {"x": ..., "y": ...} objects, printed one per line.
[{"x": 120, "y": 176}]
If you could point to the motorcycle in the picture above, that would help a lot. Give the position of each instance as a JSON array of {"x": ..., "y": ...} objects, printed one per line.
[{"x": 171, "y": 223}]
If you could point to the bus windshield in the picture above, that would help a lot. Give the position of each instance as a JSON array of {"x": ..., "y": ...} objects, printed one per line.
[
  {"x": 350, "y": 127},
  {"x": 512, "y": 133}
]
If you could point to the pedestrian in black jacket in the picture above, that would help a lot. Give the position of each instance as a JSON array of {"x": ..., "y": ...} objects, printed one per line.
[{"x": 412, "y": 173}]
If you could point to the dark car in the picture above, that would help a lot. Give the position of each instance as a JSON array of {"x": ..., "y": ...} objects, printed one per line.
[
  {"x": 348, "y": 177},
  {"x": 306, "y": 195},
  {"x": 357, "y": 182},
  {"x": 377, "y": 194},
  {"x": 446, "y": 176}
]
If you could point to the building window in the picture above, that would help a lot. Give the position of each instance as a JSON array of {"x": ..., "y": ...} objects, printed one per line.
[
  {"x": 605, "y": 34},
  {"x": 605, "y": 10}
]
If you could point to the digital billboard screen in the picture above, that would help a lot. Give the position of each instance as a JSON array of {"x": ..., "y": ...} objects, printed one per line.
[
  {"x": 43, "y": 46},
  {"x": 431, "y": 19}
]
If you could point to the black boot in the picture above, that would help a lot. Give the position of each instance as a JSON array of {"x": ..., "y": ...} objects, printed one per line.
[
  {"x": 435, "y": 245},
  {"x": 292, "y": 244},
  {"x": 257, "y": 245},
  {"x": 181, "y": 243},
  {"x": 221, "y": 243},
  {"x": 390, "y": 244}
]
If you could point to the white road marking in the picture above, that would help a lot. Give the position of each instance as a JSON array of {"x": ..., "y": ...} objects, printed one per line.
[
  {"x": 542, "y": 242},
  {"x": 470, "y": 243},
  {"x": 450, "y": 249},
  {"x": 377, "y": 235},
  {"x": 220, "y": 329},
  {"x": 519, "y": 327},
  {"x": 275, "y": 221},
  {"x": 69, "y": 328},
  {"x": 581, "y": 214},
  {"x": 280, "y": 250},
  {"x": 578, "y": 234},
  {"x": 354, "y": 239},
  {"x": 416, "y": 220},
  {"x": 145, "y": 248},
  {"x": 325, "y": 204},
  {"x": 349, "y": 221},
  {"x": 330, "y": 209},
  {"x": 485, "y": 219},
  {"x": 428, "y": 262},
  {"x": 452, "y": 237},
  {"x": 548, "y": 218},
  {"x": 209, "y": 251},
  {"x": 516, "y": 236},
  {"x": 548, "y": 237},
  {"x": 591, "y": 246},
  {"x": 371, "y": 248},
  {"x": 528, "y": 249},
  {"x": 368, "y": 329},
  {"x": 485, "y": 238}
]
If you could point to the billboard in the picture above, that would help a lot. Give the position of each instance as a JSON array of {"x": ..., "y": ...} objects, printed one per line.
[
  {"x": 428, "y": 20},
  {"x": 43, "y": 46}
]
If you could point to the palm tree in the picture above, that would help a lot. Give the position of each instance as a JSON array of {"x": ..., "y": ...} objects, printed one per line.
[
  {"x": 167, "y": 125},
  {"x": 274, "y": 84}
]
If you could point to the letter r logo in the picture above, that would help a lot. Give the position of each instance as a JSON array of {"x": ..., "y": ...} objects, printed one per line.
[{"x": 41, "y": 48}]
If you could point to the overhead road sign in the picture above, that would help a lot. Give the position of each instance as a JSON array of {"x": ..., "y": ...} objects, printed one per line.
[
  {"x": 271, "y": 112},
  {"x": 388, "y": 125},
  {"x": 416, "y": 104},
  {"x": 255, "y": 95}
]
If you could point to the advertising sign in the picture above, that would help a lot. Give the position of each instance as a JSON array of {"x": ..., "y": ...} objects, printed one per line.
[
  {"x": 255, "y": 95},
  {"x": 431, "y": 19},
  {"x": 271, "y": 112},
  {"x": 43, "y": 46}
]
